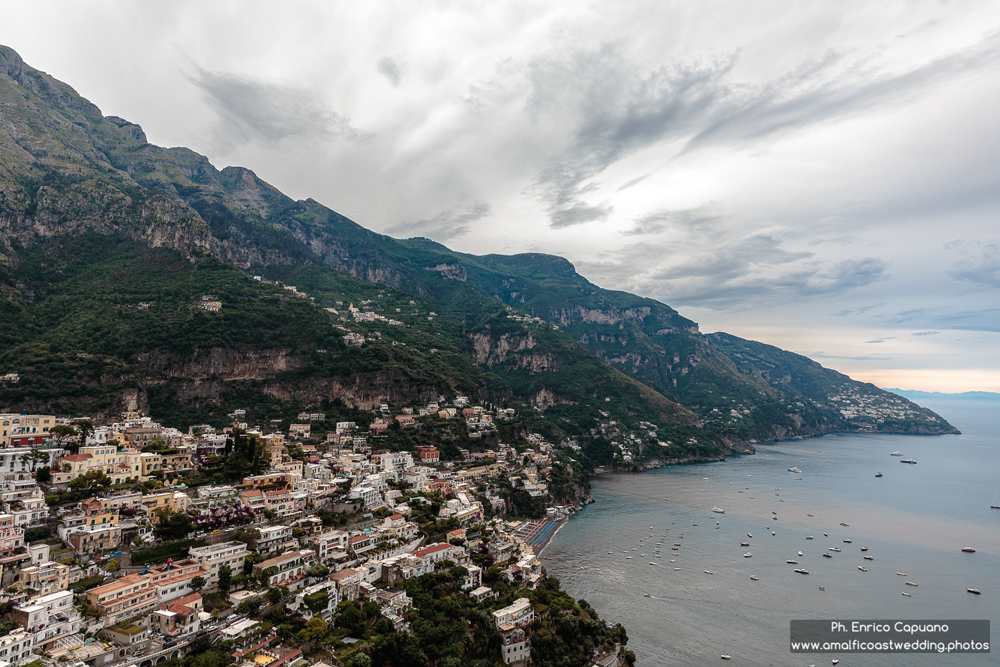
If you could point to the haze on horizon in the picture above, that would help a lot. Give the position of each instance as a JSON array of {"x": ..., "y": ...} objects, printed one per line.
[{"x": 819, "y": 176}]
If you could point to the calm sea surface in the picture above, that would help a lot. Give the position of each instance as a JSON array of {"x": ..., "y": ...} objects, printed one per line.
[{"x": 914, "y": 519}]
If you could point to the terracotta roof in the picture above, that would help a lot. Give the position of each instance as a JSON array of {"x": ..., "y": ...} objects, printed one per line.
[{"x": 77, "y": 457}]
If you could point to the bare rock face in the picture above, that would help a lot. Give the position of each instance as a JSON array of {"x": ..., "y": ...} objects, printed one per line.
[{"x": 449, "y": 271}]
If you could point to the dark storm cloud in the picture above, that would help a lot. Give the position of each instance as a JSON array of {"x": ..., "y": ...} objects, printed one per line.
[
  {"x": 391, "y": 70},
  {"x": 616, "y": 106},
  {"x": 444, "y": 226},
  {"x": 251, "y": 110}
]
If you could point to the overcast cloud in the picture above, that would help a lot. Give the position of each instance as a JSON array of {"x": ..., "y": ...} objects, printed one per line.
[{"x": 815, "y": 175}]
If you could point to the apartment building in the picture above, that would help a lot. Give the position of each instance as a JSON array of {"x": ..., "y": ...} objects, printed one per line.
[
  {"x": 173, "y": 580},
  {"x": 179, "y": 617},
  {"x": 328, "y": 543},
  {"x": 273, "y": 539},
  {"x": 124, "y": 598},
  {"x": 15, "y": 648},
  {"x": 518, "y": 614},
  {"x": 11, "y": 424},
  {"x": 44, "y": 578},
  {"x": 11, "y": 535},
  {"x": 215, "y": 556},
  {"x": 286, "y": 570}
]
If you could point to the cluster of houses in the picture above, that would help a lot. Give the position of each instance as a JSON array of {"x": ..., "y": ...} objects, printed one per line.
[{"x": 283, "y": 544}]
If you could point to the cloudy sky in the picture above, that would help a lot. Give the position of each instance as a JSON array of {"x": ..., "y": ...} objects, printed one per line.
[{"x": 823, "y": 176}]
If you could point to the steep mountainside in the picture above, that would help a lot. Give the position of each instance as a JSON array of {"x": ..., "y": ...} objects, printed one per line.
[{"x": 68, "y": 171}]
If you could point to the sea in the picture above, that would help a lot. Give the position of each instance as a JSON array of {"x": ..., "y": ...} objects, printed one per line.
[{"x": 915, "y": 520}]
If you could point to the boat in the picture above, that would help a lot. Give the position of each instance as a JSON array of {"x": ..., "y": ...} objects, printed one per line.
[
  {"x": 645, "y": 595},
  {"x": 974, "y": 591},
  {"x": 835, "y": 661},
  {"x": 868, "y": 558},
  {"x": 754, "y": 577},
  {"x": 878, "y": 474},
  {"x": 896, "y": 454},
  {"x": 674, "y": 548},
  {"x": 726, "y": 656},
  {"x": 792, "y": 562},
  {"x": 837, "y": 549},
  {"x": 968, "y": 550},
  {"x": 862, "y": 568},
  {"x": 809, "y": 537},
  {"x": 847, "y": 541},
  {"x": 718, "y": 510},
  {"x": 822, "y": 588},
  {"x": 748, "y": 555},
  {"x": 749, "y": 535},
  {"x": 652, "y": 563},
  {"x": 907, "y": 461},
  {"x": 795, "y": 470},
  {"x": 824, "y": 535},
  {"x": 628, "y": 558},
  {"x": 772, "y": 532},
  {"x": 676, "y": 569},
  {"x": 801, "y": 570},
  {"x": 744, "y": 544},
  {"x": 910, "y": 583},
  {"x": 800, "y": 553},
  {"x": 826, "y": 555},
  {"x": 907, "y": 595},
  {"x": 901, "y": 574},
  {"x": 842, "y": 524},
  {"x": 708, "y": 572},
  {"x": 808, "y": 514},
  {"x": 864, "y": 548}
]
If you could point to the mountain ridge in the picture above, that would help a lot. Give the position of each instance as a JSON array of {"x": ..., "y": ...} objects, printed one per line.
[{"x": 68, "y": 170}]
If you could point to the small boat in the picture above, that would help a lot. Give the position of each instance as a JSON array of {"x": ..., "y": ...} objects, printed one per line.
[
  {"x": 968, "y": 550},
  {"x": 726, "y": 656},
  {"x": 674, "y": 548},
  {"x": 628, "y": 558},
  {"x": 772, "y": 532},
  {"x": 974, "y": 591},
  {"x": 868, "y": 558},
  {"x": 748, "y": 555},
  {"x": 837, "y": 549},
  {"x": 901, "y": 574},
  {"x": 907, "y": 461},
  {"x": 847, "y": 542},
  {"x": 645, "y": 595},
  {"x": 896, "y": 454},
  {"x": 826, "y": 555},
  {"x": 878, "y": 474},
  {"x": 801, "y": 570},
  {"x": 749, "y": 535},
  {"x": 808, "y": 514},
  {"x": 864, "y": 548},
  {"x": 652, "y": 563},
  {"x": 708, "y": 572},
  {"x": 795, "y": 470},
  {"x": 907, "y": 595},
  {"x": 825, "y": 535},
  {"x": 800, "y": 553},
  {"x": 822, "y": 588},
  {"x": 844, "y": 525},
  {"x": 809, "y": 537},
  {"x": 754, "y": 577},
  {"x": 744, "y": 544},
  {"x": 835, "y": 661},
  {"x": 718, "y": 510},
  {"x": 862, "y": 568},
  {"x": 792, "y": 562},
  {"x": 676, "y": 569},
  {"x": 910, "y": 583}
]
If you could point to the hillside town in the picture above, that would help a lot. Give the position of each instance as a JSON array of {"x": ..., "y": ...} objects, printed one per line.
[{"x": 124, "y": 542}]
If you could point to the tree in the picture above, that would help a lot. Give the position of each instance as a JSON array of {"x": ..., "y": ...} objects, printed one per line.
[
  {"x": 33, "y": 457},
  {"x": 250, "y": 605},
  {"x": 86, "y": 429},
  {"x": 43, "y": 475},
  {"x": 317, "y": 602},
  {"x": 318, "y": 571},
  {"x": 225, "y": 578},
  {"x": 172, "y": 525},
  {"x": 274, "y": 596},
  {"x": 315, "y": 629},
  {"x": 112, "y": 566},
  {"x": 95, "y": 480},
  {"x": 61, "y": 432},
  {"x": 197, "y": 584}
]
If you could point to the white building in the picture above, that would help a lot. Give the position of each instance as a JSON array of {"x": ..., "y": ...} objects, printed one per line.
[
  {"x": 215, "y": 556},
  {"x": 517, "y": 614}
]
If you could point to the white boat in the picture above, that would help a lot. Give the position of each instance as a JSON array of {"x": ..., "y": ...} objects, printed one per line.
[
  {"x": 800, "y": 553},
  {"x": 809, "y": 537},
  {"x": 862, "y": 568},
  {"x": 708, "y": 572},
  {"x": 726, "y": 656},
  {"x": 847, "y": 542},
  {"x": 749, "y": 535},
  {"x": 907, "y": 461},
  {"x": 802, "y": 571},
  {"x": 718, "y": 510},
  {"x": 826, "y": 555},
  {"x": 907, "y": 595},
  {"x": 837, "y": 549},
  {"x": 901, "y": 574},
  {"x": 869, "y": 558},
  {"x": 795, "y": 470},
  {"x": 754, "y": 577},
  {"x": 792, "y": 562},
  {"x": 748, "y": 555},
  {"x": 896, "y": 454}
]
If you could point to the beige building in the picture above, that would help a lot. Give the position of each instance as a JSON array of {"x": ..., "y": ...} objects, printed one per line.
[
  {"x": 44, "y": 578},
  {"x": 215, "y": 556},
  {"x": 124, "y": 598}
]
